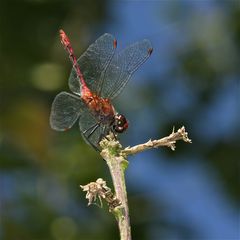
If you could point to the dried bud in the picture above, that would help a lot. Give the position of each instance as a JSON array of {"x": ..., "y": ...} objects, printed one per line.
[{"x": 99, "y": 190}]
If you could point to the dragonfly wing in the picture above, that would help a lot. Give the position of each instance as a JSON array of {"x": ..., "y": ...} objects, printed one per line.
[
  {"x": 91, "y": 130},
  {"x": 92, "y": 63},
  {"x": 122, "y": 66},
  {"x": 66, "y": 108}
]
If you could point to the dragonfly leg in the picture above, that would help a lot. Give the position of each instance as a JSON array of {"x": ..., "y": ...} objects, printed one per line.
[
  {"x": 93, "y": 130},
  {"x": 114, "y": 133},
  {"x": 93, "y": 126}
]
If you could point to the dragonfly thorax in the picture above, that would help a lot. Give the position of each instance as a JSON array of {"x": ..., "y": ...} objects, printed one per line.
[{"x": 101, "y": 108}]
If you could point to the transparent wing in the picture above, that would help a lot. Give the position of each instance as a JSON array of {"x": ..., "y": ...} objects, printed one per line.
[
  {"x": 66, "y": 108},
  {"x": 92, "y": 131},
  {"x": 122, "y": 66},
  {"x": 93, "y": 63}
]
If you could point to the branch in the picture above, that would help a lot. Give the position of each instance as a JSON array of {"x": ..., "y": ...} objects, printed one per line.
[
  {"x": 116, "y": 160},
  {"x": 168, "y": 141},
  {"x": 117, "y": 164}
]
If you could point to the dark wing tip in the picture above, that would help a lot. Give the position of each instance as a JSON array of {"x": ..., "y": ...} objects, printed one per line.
[
  {"x": 115, "y": 43},
  {"x": 150, "y": 50},
  {"x": 147, "y": 45}
]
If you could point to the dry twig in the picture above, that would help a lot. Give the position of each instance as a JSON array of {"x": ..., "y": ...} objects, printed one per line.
[{"x": 168, "y": 141}]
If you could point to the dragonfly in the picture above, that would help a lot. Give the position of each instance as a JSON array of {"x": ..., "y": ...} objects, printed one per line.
[{"x": 96, "y": 78}]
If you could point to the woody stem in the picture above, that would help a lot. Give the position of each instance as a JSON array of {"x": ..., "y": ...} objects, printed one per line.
[{"x": 117, "y": 165}]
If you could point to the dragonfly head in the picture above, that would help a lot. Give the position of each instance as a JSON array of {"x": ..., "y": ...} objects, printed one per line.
[{"x": 120, "y": 123}]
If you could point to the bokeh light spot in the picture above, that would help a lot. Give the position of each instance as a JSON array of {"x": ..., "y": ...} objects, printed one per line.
[{"x": 47, "y": 76}]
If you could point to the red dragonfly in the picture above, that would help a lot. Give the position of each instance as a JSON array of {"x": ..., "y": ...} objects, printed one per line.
[{"x": 97, "y": 77}]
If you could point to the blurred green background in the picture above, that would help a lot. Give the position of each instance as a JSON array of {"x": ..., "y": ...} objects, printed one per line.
[{"x": 191, "y": 79}]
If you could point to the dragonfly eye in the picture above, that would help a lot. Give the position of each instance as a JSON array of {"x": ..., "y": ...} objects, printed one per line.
[{"x": 120, "y": 124}]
